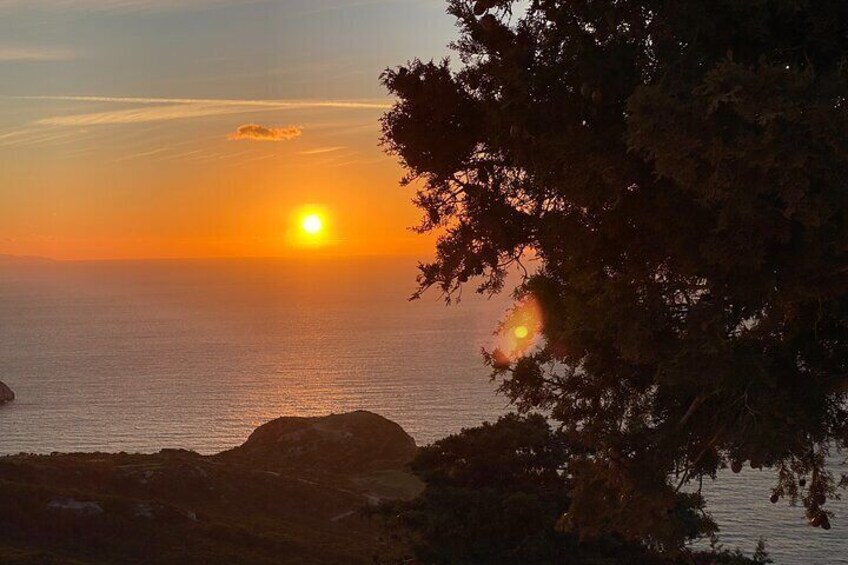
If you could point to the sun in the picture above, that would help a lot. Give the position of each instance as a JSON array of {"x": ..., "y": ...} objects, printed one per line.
[
  {"x": 521, "y": 332},
  {"x": 312, "y": 224}
]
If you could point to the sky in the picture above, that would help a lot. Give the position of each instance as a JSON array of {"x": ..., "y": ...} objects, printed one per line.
[{"x": 204, "y": 128}]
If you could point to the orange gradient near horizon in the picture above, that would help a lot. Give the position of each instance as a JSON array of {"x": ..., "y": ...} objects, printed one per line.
[
  {"x": 131, "y": 147},
  {"x": 187, "y": 209}
]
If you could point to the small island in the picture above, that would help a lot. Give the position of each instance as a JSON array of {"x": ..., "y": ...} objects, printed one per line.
[{"x": 6, "y": 394}]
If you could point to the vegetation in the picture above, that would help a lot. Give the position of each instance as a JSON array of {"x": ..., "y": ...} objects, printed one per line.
[
  {"x": 676, "y": 173},
  {"x": 269, "y": 501},
  {"x": 495, "y": 495}
]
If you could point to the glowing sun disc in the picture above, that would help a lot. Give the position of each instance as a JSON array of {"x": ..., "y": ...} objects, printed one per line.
[
  {"x": 521, "y": 332},
  {"x": 312, "y": 224}
]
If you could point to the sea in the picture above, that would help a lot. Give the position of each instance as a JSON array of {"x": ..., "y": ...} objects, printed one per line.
[{"x": 138, "y": 356}]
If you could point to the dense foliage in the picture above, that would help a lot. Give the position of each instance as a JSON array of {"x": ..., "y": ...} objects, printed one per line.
[
  {"x": 676, "y": 173},
  {"x": 495, "y": 494}
]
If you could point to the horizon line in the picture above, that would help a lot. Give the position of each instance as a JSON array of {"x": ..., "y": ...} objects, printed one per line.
[{"x": 45, "y": 258}]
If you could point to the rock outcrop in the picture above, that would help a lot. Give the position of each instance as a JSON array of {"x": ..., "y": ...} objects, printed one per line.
[
  {"x": 356, "y": 442},
  {"x": 78, "y": 507},
  {"x": 6, "y": 394},
  {"x": 293, "y": 493}
]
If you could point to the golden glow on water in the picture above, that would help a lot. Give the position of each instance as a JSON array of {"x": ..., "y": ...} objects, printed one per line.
[{"x": 237, "y": 343}]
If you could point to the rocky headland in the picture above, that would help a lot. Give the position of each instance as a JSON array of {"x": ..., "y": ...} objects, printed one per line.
[
  {"x": 294, "y": 492},
  {"x": 6, "y": 394}
]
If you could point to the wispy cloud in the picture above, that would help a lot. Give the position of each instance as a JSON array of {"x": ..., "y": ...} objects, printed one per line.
[
  {"x": 142, "y": 154},
  {"x": 181, "y": 5},
  {"x": 11, "y": 52},
  {"x": 296, "y": 104},
  {"x": 12, "y": 134},
  {"x": 350, "y": 5},
  {"x": 255, "y": 132},
  {"x": 34, "y": 136},
  {"x": 321, "y": 150},
  {"x": 118, "y": 5},
  {"x": 166, "y": 109},
  {"x": 136, "y": 115},
  {"x": 62, "y": 122}
]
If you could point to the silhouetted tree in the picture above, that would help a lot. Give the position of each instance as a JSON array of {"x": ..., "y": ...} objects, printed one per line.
[
  {"x": 495, "y": 495},
  {"x": 678, "y": 171}
]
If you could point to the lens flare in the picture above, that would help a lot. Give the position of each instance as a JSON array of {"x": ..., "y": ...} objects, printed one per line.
[{"x": 521, "y": 330}]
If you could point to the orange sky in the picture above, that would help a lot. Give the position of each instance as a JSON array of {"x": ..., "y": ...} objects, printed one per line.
[{"x": 117, "y": 141}]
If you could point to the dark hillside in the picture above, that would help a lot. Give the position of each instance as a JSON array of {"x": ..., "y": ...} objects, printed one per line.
[{"x": 290, "y": 494}]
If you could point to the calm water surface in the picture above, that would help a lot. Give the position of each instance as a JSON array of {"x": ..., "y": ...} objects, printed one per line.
[{"x": 139, "y": 356}]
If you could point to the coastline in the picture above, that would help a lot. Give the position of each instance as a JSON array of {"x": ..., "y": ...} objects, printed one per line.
[{"x": 293, "y": 492}]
